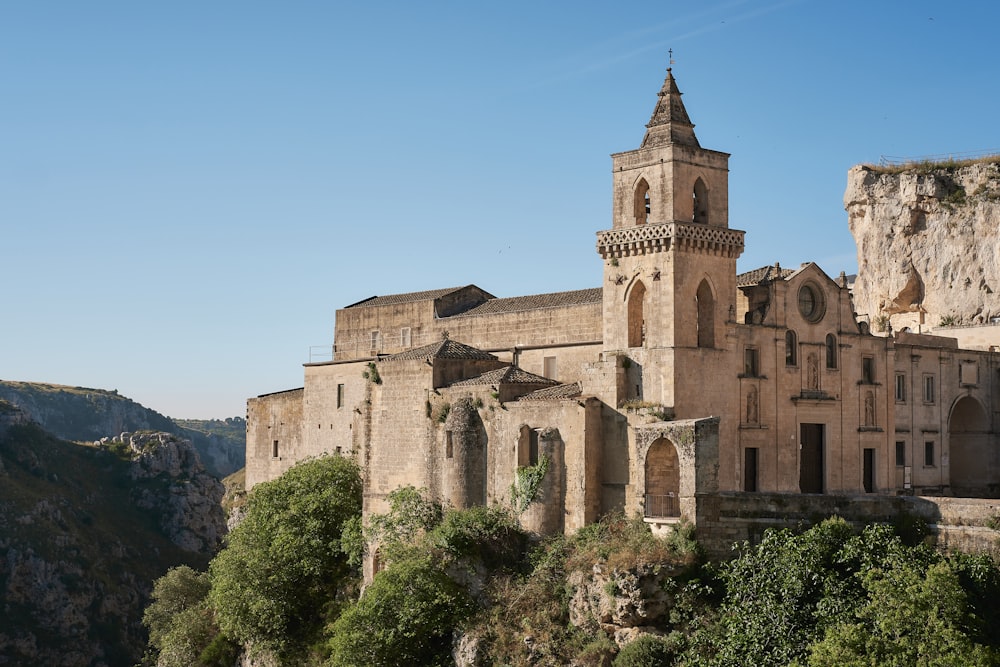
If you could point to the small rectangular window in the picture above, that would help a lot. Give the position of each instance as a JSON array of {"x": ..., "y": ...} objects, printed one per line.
[
  {"x": 274, "y": 449},
  {"x": 901, "y": 387},
  {"x": 929, "y": 387},
  {"x": 549, "y": 366},
  {"x": 750, "y": 469},
  {"x": 751, "y": 362},
  {"x": 868, "y": 470},
  {"x": 968, "y": 373},
  {"x": 376, "y": 341},
  {"x": 404, "y": 337},
  {"x": 868, "y": 370},
  {"x": 929, "y": 454},
  {"x": 449, "y": 451},
  {"x": 900, "y": 453},
  {"x": 340, "y": 395}
]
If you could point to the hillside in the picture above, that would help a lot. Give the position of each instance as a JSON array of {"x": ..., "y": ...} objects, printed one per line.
[
  {"x": 928, "y": 243},
  {"x": 85, "y": 414},
  {"x": 85, "y": 530}
]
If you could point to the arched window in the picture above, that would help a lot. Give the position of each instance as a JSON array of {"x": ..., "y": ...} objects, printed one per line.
[
  {"x": 663, "y": 479},
  {"x": 831, "y": 351},
  {"x": 636, "y": 317},
  {"x": 642, "y": 202},
  {"x": 706, "y": 315},
  {"x": 791, "y": 348},
  {"x": 700, "y": 202}
]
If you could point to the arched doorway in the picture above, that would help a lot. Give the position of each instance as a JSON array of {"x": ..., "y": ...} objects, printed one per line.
[
  {"x": 636, "y": 316},
  {"x": 972, "y": 471},
  {"x": 663, "y": 479}
]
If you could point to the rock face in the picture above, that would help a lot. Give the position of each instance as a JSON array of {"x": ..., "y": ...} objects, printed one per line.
[
  {"x": 928, "y": 243},
  {"x": 190, "y": 505},
  {"x": 85, "y": 530},
  {"x": 623, "y": 603}
]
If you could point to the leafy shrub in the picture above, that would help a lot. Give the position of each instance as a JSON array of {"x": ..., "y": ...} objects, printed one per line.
[
  {"x": 490, "y": 535},
  {"x": 623, "y": 543},
  {"x": 410, "y": 515},
  {"x": 645, "y": 651},
  {"x": 405, "y": 617}
]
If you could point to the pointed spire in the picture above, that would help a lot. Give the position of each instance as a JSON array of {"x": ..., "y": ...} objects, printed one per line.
[{"x": 670, "y": 123}]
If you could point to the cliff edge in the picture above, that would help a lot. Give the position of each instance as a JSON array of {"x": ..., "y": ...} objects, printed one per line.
[{"x": 928, "y": 242}]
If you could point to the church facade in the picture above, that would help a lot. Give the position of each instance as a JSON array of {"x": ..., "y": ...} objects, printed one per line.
[{"x": 676, "y": 379}]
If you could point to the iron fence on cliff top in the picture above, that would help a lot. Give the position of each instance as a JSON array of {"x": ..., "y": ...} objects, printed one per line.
[{"x": 891, "y": 161}]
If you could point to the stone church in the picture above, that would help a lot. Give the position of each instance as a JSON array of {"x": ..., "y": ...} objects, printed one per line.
[{"x": 676, "y": 379}]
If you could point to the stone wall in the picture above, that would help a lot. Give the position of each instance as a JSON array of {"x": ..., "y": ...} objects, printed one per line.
[
  {"x": 726, "y": 519},
  {"x": 274, "y": 435}
]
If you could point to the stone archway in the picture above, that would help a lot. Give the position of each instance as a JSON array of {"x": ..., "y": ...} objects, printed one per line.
[
  {"x": 663, "y": 480},
  {"x": 972, "y": 470}
]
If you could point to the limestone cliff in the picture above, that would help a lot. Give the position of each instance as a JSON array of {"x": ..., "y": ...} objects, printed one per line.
[
  {"x": 84, "y": 532},
  {"x": 928, "y": 242},
  {"x": 188, "y": 501},
  {"x": 86, "y": 414}
]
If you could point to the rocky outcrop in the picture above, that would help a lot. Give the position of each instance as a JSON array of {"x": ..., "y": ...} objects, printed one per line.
[
  {"x": 84, "y": 532},
  {"x": 189, "y": 505},
  {"x": 623, "y": 603},
  {"x": 928, "y": 240}
]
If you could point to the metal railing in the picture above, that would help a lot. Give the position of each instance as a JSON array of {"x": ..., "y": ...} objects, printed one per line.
[
  {"x": 662, "y": 505},
  {"x": 891, "y": 161}
]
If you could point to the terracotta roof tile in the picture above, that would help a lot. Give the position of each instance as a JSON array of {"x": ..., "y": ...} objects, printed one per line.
[
  {"x": 558, "y": 392},
  {"x": 390, "y": 299},
  {"x": 516, "y": 304},
  {"x": 761, "y": 275},
  {"x": 442, "y": 349},
  {"x": 505, "y": 375}
]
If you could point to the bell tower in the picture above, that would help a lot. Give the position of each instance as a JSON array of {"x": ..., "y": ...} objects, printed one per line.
[{"x": 670, "y": 257}]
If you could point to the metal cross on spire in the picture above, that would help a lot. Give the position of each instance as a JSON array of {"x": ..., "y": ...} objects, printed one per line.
[{"x": 670, "y": 52}]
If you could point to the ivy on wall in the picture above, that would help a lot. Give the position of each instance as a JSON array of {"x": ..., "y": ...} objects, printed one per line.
[{"x": 525, "y": 489}]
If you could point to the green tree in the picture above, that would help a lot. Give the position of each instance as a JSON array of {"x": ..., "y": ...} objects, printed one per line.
[
  {"x": 911, "y": 617},
  {"x": 831, "y": 596},
  {"x": 405, "y": 618},
  {"x": 179, "y": 590},
  {"x": 283, "y": 573},
  {"x": 181, "y": 624},
  {"x": 409, "y": 517},
  {"x": 784, "y": 593}
]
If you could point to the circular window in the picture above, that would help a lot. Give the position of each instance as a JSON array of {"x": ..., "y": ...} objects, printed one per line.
[{"x": 810, "y": 303}]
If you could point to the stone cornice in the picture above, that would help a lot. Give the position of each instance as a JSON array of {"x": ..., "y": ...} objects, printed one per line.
[{"x": 680, "y": 236}]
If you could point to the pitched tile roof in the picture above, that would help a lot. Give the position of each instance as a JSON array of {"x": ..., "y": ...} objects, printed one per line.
[
  {"x": 390, "y": 299},
  {"x": 505, "y": 375},
  {"x": 516, "y": 304},
  {"x": 560, "y": 391},
  {"x": 761, "y": 275},
  {"x": 442, "y": 349}
]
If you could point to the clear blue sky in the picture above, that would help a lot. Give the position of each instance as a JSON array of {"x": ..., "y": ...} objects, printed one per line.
[{"x": 189, "y": 190}]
